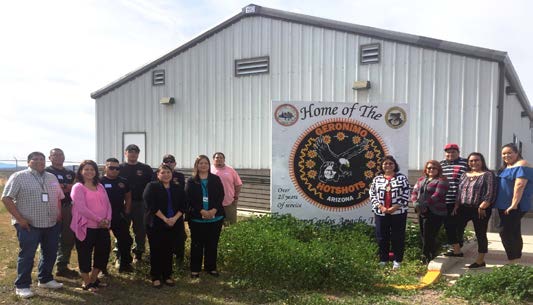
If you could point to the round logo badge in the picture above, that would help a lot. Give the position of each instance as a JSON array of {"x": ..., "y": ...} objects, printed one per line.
[
  {"x": 121, "y": 185},
  {"x": 286, "y": 115},
  {"x": 334, "y": 161},
  {"x": 395, "y": 117}
]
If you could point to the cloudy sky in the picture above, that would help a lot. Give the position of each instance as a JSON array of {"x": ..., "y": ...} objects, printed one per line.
[{"x": 55, "y": 53}]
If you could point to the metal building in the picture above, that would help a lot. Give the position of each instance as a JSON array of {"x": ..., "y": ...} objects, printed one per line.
[{"x": 214, "y": 92}]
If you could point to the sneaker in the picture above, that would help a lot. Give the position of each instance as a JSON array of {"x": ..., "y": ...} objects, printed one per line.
[
  {"x": 395, "y": 265},
  {"x": 50, "y": 285},
  {"x": 68, "y": 273},
  {"x": 103, "y": 274},
  {"x": 382, "y": 264},
  {"x": 24, "y": 292}
]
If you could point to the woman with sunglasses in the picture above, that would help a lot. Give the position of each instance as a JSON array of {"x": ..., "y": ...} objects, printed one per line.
[
  {"x": 475, "y": 196},
  {"x": 514, "y": 199},
  {"x": 428, "y": 197}
]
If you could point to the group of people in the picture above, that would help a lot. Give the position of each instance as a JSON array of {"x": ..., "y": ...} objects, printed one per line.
[
  {"x": 57, "y": 209},
  {"x": 452, "y": 192}
]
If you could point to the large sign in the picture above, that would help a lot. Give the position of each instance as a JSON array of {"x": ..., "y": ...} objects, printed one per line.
[{"x": 325, "y": 155}]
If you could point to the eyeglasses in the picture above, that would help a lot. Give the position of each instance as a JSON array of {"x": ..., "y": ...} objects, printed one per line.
[
  {"x": 113, "y": 168},
  {"x": 431, "y": 168}
]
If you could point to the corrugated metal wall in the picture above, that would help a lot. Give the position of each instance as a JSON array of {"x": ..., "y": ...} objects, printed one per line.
[
  {"x": 516, "y": 125},
  {"x": 452, "y": 98}
]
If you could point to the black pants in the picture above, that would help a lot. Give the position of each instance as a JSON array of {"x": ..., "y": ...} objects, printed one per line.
[
  {"x": 162, "y": 240},
  {"x": 204, "y": 245},
  {"x": 452, "y": 224},
  {"x": 99, "y": 241},
  {"x": 480, "y": 225},
  {"x": 511, "y": 233},
  {"x": 121, "y": 231},
  {"x": 429, "y": 228},
  {"x": 179, "y": 246},
  {"x": 390, "y": 231}
]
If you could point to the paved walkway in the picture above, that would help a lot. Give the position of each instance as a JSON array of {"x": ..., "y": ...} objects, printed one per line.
[{"x": 453, "y": 267}]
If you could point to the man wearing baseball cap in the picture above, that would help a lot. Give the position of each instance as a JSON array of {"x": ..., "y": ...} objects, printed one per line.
[
  {"x": 138, "y": 175},
  {"x": 453, "y": 166}
]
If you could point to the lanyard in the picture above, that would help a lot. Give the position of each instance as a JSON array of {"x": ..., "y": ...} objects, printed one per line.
[{"x": 41, "y": 183}]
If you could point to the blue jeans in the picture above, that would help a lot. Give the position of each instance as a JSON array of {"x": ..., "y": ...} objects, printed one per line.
[{"x": 48, "y": 238}]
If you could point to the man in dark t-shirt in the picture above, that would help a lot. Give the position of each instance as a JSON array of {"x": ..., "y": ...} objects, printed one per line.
[
  {"x": 119, "y": 195},
  {"x": 66, "y": 239},
  {"x": 138, "y": 175}
]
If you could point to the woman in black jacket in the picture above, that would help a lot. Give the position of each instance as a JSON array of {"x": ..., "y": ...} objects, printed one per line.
[
  {"x": 205, "y": 194},
  {"x": 166, "y": 204}
]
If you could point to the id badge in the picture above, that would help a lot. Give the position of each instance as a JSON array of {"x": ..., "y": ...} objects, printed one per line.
[
  {"x": 44, "y": 197},
  {"x": 206, "y": 199}
]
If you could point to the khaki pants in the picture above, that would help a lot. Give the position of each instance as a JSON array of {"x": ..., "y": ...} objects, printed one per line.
[{"x": 231, "y": 213}]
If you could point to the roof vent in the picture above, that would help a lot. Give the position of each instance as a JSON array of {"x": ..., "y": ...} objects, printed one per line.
[
  {"x": 250, "y": 9},
  {"x": 370, "y": 53},
  {"x": 249, "y": 66},
  {"x": 158, "y": 77}
]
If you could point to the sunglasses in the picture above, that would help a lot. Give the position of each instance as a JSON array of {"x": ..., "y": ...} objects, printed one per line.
[
  {"x": 474, "y": 160},
  {"x": 431, "y": 168},
  {"x": 113, "y": 168}
]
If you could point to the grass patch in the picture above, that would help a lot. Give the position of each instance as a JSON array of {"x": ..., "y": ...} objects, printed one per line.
[{"x": 510, "y": 284}]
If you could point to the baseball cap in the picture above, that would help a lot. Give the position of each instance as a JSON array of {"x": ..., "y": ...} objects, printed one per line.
[
  {"x": 168, "y": 158},
  {"x": 451, "y": 146},
  {"x": 132, "y": 147}
]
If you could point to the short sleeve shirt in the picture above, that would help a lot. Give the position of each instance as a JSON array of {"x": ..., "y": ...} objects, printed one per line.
[
  {"x": 64, "y": 176},
  {"x": 26, "y": 188},
  {"x": 116, "y": 190},
  {"x": 230, "y": 179}
]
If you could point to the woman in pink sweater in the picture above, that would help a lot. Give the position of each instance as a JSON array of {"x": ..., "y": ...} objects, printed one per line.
[{"x": 91, "y": 217}]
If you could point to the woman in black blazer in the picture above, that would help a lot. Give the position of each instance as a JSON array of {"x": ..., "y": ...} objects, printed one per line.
[
  {"x": 166, "y": 204},
  {"x": 205, "y": 194}
]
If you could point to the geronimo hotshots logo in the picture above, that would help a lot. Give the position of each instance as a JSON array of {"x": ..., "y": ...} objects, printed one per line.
[{"x": 334, "y": 161}]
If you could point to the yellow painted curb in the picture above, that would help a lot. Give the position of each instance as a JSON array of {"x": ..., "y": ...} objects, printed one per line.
[{"x": 428, "y": 279}]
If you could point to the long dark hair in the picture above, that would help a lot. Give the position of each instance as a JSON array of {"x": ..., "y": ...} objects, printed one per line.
[
  {"x": 515, "y": 149},
  {"x": 389, "y": 158},
  {"x": 79, "y": 176},
  {"x": 195, "y": 174},
  {"x": 483, "y": 163}
]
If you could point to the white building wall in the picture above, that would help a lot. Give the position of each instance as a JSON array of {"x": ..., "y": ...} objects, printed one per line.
[
  {"x": 516, "y": 125},
  {"x": 452, "y": 97}
]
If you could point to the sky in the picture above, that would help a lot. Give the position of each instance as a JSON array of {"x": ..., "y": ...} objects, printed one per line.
[{"x": 54, "y": 54}]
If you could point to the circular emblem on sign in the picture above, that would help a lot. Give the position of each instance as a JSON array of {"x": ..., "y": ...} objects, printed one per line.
[
  {"x": 395, "y": 117},
  {"x": 334, "y": 161},
  {"x": 286, "y": 115}
]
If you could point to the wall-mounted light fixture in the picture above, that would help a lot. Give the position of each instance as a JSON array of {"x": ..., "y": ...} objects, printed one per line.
[
  {"x": 167, "y": 100},
  {"x": 510, "y": 90},
  {"x": 361, "y": 85}
]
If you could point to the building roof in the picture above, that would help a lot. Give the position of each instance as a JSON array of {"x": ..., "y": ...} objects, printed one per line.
[{"x": 420, "y": 41}]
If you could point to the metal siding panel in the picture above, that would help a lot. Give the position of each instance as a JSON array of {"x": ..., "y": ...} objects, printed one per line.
[{"x": 215, "y": 110}]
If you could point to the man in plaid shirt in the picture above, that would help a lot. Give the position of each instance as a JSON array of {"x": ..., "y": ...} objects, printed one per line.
[{"x": 33, "y": 198}]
